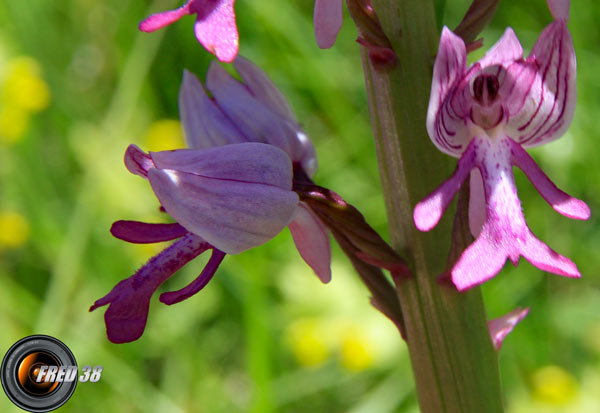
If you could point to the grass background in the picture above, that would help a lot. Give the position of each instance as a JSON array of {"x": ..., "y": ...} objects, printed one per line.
[{"x": 264, "y": 335}]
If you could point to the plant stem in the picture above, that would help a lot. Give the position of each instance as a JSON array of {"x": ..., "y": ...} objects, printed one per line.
[{"x": 453, "y": 360}]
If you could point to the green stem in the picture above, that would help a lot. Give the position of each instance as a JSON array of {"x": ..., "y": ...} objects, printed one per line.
[{"x": 453, "y": 360}]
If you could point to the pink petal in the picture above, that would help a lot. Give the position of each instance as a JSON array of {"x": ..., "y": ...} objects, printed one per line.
[
  {"x": 546, "y": 259},
  {"x": 476, "y": 203},
  {"x": 507, "y": 49},
  {"x": 446, "y": 127},
  {"x": 312, "y": 241},
  {"x": 129, "y": 300},
  {"x": 500, "y": 327},
  {"x": 215, "y": 28},
  {"x": 160, "y": 20},
  {"x": 560, "y": 201},
  {"x": 482, "y": 260},
  {"x": 231, "y": 213},
  {"x": 253, "y": 163},
  {"x": 205, "y": 125},
  {"x": 137, "y": 161},
  {"x": 559, "y": 9},
  {"x": 550, "y": 102},
  {"x": 505, "y": 233},
  {"x": 143, "y": 233},
  {"x": 258, "y": 122},
  {"x": 198, "y": 284},
  {"x": 327, "y": 19},
  {"x": 429, "y": 211}
]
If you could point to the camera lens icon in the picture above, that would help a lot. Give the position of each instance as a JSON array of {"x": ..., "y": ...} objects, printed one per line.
[{"x": 39, "y": 373}]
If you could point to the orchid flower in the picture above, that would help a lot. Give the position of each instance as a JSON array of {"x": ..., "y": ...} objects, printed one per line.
[
  {"x": 228, "y": 199},
  {"x": 486, "y": 114},
  {"x": 255, "y": 111},
  {"x": 215, "y": 25}
]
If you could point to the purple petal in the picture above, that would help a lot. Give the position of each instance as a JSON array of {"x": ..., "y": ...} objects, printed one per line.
[
  {"x": 255, "y": 163},
  {"x": 143, "y": 233},
  {"x": 328, "y": 20},
  {"x": 137, "y": 161},
  {"x": 231, "y": 214},
  {"x": 507, "y": 49},
  {"x": 215, "y": 28},
  {"x": 312, "y": 241},
  {"x": 199, "y": 283},
  {"x": 505, "y": 233},
  {"x": 560, "y": 201},
  {"x": 429, "y": 211},
  {"x": 550, "y": 102},
  {"x": 476, "y": 203},
  {"x": 259, "y": 123},
  {"x": 559, "y": 9},
  {"x": 160, "y": 20},
  {"x": 205, "y": 125},
  {"x": 502, "y": 326},
  {"x": 445, "y": 126},
  {"x": 262, "y": 88},
  {"x": 129, "y": 300}
]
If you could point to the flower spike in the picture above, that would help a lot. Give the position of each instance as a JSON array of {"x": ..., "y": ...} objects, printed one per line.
[{"x": 485, "y": 114}]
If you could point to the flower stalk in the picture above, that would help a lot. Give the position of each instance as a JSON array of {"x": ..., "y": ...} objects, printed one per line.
[{"x": 453, "y": 359}]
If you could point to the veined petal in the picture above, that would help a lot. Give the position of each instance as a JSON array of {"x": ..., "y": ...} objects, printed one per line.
[
  {"x": 327, "y": 19},
  {"x": 205, "y": 125},
  {"x": 137, "y": 161},
  {"x": 160, "y": 20},
  {"x": 312, "y": 241},
  {"x": 550, "y": 102},
  {"x": 559, "y": 9},
  {"x": 429, "y": 211},
  {"x": 215, "y": 27},
  {"x": 143, "y": 233},
  {"x": 262, "y": 88},
  {"x": 444, "y": 125},
  {"x": 249, "y": 162},
  {"x": 256, "y": 120},
  {"x": 129, "y": 300},
  {"x": 231, "y": 215},
  {"x": 507, "y": 49},
  {"x": 559, "y": 200},
  {"x": 500, "y": 327}
]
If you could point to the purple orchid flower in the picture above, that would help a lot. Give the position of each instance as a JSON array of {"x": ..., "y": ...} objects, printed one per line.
[
  {"x": 486, "y": 114},
  {"x": 215, "y": 26},
  {"x": 256, "y": 111},
  {"x": 502, "y": 326},
  {"x": 228, "y": 199}
]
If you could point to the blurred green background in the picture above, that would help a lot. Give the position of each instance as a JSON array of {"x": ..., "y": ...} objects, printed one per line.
[{"x": 78, "y": 83}]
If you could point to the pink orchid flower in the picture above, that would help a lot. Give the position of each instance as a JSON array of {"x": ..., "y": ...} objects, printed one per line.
[
  {"x": 215, "y": 25},
  {"x": 486, "y": 114}
]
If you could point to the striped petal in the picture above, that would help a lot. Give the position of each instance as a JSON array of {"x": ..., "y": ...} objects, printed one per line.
[{"x": 445, "y": 123}]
